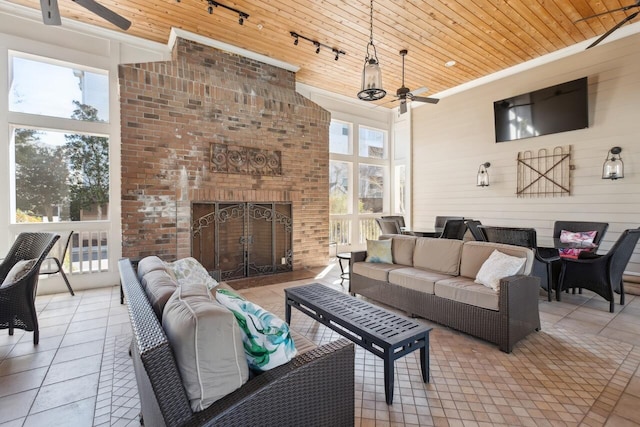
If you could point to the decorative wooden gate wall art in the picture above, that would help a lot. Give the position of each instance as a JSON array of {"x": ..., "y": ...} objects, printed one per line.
[{"x": 548, "y": 173}]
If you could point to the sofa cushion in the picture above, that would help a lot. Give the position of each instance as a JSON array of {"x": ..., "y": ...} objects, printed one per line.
[
  {"x": 207, "y": 345},
  {"x": 159, "y": 286},
  {"x": 497, "y": 266},
  {"x": 189, "y": 270},
  {"x": 148, "y": 264},
  {"x": 416, "y": 279},
  {"x": 402, "y": 248},
  {"x": 439, "y": 255},
  {"x": 379, "y": 251},
  {"x": 375, "y": 271},
  {"x": 474, "y": 254},
  {"x": 266, "y": 338},
  {"x": 466, "y": 291}
]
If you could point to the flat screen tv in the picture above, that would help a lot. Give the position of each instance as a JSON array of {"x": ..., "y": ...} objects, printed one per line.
[{"x": 558, "y": 108}]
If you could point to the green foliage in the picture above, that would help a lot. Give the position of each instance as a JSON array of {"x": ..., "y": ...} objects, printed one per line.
[
  {"x": 89, "y": 159},
  {"x": 41, "y": 176}
]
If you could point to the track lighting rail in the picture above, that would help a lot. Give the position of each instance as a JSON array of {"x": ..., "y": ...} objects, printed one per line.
[{"x": 317, "y": 44}]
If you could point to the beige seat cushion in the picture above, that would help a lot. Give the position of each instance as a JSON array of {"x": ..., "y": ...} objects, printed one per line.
[
  {"x": 416, "y": 279},
  {"x": 439, "y": 255},
  {"x": 374, "y": 270},
  {"x": 159, "y": 286},
  {"x": 466, "y": 291},
  {"x": 474, "y": 254},
  {"x": 207, "y": 344}
]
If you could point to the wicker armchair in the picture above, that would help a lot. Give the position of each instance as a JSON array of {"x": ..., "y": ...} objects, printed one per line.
[
  {"x": 17, "y": 299},
  {"x": 601, "y": 274}
]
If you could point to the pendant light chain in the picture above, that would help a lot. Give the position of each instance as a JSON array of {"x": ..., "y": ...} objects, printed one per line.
[{"x": 371, "y": 24}]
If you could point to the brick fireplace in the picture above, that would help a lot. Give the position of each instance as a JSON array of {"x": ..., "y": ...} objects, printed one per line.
[{"x": 174, "y": 113}]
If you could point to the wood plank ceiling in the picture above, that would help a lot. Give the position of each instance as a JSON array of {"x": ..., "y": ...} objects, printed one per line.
[{"x": 482, "y": 36}]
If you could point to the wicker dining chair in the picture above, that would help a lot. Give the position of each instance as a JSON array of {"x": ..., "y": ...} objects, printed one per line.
[
  {"x": 601, "y": 274},
  {"x": 20, "y": 281},
  {"x": 388, "y": 226},
  {"x": 454, "y": 229}
]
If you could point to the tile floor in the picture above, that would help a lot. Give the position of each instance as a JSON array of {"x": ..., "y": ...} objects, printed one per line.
[{"x": 581, "y": 369}]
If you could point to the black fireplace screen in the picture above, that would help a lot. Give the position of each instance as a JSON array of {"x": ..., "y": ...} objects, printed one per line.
[{"x": 234, "y": 240}]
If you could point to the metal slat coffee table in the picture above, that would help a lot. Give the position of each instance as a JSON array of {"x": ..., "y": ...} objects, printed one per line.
[{"x": 379, "y": 331}]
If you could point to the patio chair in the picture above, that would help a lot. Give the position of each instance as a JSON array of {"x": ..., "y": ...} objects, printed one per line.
[
  {"x": 454, "y": 229},
  {"x": 48, "y": 268},
  {"x": 388, "y": 226},
  {"x": 19, "y": 275},
  {"x": 542, "y": 266},
  {"x": 472, "y": 226},
  {"x": 398, "y": 218},
  {"x": 573, "y": 226},
  {"x": 601, "y": 274},
  {"x": 442, "y": 220}
]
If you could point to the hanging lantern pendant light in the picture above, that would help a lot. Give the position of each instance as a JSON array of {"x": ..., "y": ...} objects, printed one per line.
[{"x": 371, "y": 73}]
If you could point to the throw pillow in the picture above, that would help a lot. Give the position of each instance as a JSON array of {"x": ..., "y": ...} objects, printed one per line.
[
  {"x": 583, "y": 237},
  {"x": 188, "y": 270},
  {"x": 497, "y": 266},
  {"x": 266, "y": 338},
  {"x": 18, "y": 271},
  {"x": 149, "y": 264},
  {"x": 379, "y": 251},
  {"x": 207, "y": 344}
]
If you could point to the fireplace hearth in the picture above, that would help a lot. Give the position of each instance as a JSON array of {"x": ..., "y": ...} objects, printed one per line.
[{"x": 234, "y": 240}]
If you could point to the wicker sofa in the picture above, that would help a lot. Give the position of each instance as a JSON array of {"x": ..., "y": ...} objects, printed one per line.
[
  {"x": 434, "y": 279},
  {"x": 314, "y": 388}
]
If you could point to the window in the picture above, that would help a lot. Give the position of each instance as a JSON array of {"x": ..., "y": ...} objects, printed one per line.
[
  {"x": 61, "y": 168},
  {"x": 371, "y": 189},
  {"x": 339, "y": 196},
  {"x": 339, "y": 137},
  {"x": 372, "y": 143},
  {"x": 31, "y": 93},
  {"x": 400, "y": 190},
  {"x": 60, "y": 176}
]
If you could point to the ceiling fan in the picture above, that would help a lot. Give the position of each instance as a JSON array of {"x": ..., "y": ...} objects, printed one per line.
[
  {"x": 51, "y": 13},
  {"x": 404, "y": 94},
  {"x": 618, "y": 25}
]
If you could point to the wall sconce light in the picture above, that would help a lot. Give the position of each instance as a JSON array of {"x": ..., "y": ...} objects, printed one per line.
[
  {"x": 613, "y": 167},
  {"x": 316, "y": 44},
  {"x": 483, "y": 175}
]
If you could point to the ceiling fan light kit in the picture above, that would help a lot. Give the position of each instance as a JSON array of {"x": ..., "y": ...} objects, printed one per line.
[{"x": 371, "y": 73}]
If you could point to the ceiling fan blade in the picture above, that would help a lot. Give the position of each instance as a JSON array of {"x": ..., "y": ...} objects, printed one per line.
[
  {"x": 105, "y": 13},
  {"x": 50, "y": 12},
  {"x": 631, "y": 6},
  {"x": 403, "y": 107},
  {"x": 420, "y": 90},
  {"x": 424, "y": 99},
  {"x": 618, "y": 25}
]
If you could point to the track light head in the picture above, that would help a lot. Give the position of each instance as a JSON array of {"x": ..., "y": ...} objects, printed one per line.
[
  {"x": 295, "y": 42},
  {"x": 317, "y": 45},
  {"x": 240, "y": 20},
  {"x": 210, "y": 10}
]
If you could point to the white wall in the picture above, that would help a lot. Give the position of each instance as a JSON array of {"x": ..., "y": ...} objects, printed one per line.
[
  {"x": 451, "y": 139},
  {"x": 21, "y": 29}
]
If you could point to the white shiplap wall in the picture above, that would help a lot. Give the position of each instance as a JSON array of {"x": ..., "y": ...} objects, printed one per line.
[{"x": 451, "y": 139}]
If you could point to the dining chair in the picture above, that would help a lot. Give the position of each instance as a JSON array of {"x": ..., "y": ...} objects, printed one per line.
[
  {"x": 454, "y": 229},
  {"x": 398, "y": 218},
  {"x": 574, "y": 226},
  {"x": 542, "y": 266},
  {"x": 388, "y": 226},
  {"x": 472, "y": 226},
  {"x": 601, "y": 274},
  {"x": 53, "y": 265},
  {"x": 442, "y": 220},
  {"x": 19, "y": 272}
]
